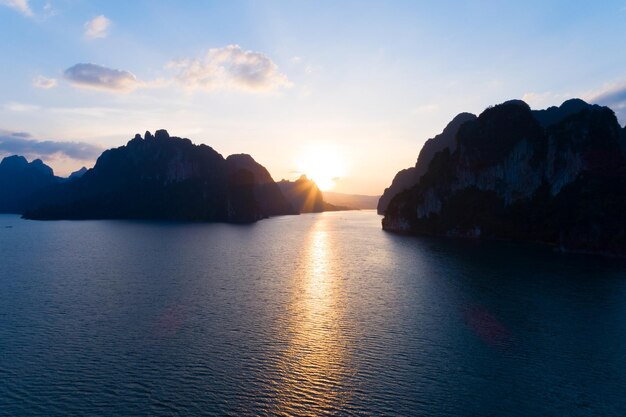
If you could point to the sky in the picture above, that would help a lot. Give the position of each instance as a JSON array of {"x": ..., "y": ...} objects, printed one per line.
[{"x": 353, "y": 87}]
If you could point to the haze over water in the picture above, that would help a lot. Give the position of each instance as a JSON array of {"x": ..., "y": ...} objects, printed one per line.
[{"x": 312, "y": 314}]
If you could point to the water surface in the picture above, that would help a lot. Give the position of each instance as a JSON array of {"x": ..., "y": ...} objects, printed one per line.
[{"x": 302, "y": 315}]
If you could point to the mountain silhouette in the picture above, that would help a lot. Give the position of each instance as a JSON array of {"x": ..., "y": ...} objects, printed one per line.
[
  {"x": 20, "y": 182},
  {"x": 163, "y": 177},
  {"x": 305, "y": 196},
  {"x": 556, "y": 176}
]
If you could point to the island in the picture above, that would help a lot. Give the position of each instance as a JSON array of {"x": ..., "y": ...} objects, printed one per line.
[{"x": 556, "y": 176}]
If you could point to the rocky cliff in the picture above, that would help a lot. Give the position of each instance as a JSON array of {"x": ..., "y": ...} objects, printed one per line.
[
  {"x": 555, "y": 176},
  {"x": 407, "y": 178},
  {"x": 163, "y": 177}
]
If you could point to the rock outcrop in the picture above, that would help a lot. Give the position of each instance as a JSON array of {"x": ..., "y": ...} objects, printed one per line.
[{"x": 556, "y": 176}]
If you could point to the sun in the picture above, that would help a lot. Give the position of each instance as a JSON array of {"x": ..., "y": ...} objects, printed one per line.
[{"x": 322, "y": 163}]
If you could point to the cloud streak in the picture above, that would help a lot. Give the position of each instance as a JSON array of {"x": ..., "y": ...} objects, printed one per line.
[
  {"x": 44, "y": 82},
  {"x": 613, "y": 96},
  {"x": 230, "y": 68},
  {"x": 101, "y": 78},
  {"x": 22, "y": 143},
  {"x": 21, "y": 6},
  {"x": 98, "y": 27}
]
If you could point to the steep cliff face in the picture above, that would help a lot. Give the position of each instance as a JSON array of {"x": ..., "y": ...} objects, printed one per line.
[
  {"x": 559, "y": 177},
  {"x": 163, "y": 177},
  {"x": 20, "y": 182},
  {"x": 407, "y": 178}
]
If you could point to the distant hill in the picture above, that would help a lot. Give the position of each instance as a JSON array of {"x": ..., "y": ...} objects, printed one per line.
[
  {"x": 305, "y": 196},
  {"x": 163, "y": 177},
  {"x": 353, "y": 201},
  {"x": 77, "y": 174},
  {"x": 21, "y": 181},
  {"x": 556, "y": 176}
]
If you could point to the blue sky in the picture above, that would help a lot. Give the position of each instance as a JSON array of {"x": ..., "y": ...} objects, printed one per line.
[{"x": 367, "y": 81}]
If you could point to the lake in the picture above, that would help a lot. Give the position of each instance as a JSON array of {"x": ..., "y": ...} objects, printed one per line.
[{"x": 317, "y": 314}]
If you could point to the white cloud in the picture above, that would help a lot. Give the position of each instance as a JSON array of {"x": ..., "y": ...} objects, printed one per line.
[
  {"x": 21, "y": 6},
  {"x": 44, "y": 82},
  {"x": 101, "y": 78},
  {"x": 232, "y": 68},
  {"x": 546, "y": 99},
  {"x": 20, "y": 107},
  {"x": 98, "y": 27}
]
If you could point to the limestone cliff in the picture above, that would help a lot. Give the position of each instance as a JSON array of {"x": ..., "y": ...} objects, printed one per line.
[
  {"x": 407, "y": 178},
  {"x": 556, "y": 177}
]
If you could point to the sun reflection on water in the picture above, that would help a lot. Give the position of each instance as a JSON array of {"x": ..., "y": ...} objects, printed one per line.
[{"x": 314, "y": 365}]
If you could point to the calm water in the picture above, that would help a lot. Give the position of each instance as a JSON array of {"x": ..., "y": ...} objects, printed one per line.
[{"x": 302, "y": 315}]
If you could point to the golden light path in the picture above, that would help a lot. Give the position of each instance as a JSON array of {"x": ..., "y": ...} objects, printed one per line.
[{"x": 314, "y": 364}]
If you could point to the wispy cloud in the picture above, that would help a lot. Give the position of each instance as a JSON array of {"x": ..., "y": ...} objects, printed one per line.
[
  {"x": 22, "y": 143},
  {"x": 44, "y": 82},
  {"x": 98, "y": 27},
  {"x": 546, "y": 99},
  {"x": 613, "y": 95},
  {"x": 230, "y": 68},
  {"x": 20, "y": 107},
  {"x": 21, "y": 6},
  {"x": 101, "y": 78}
]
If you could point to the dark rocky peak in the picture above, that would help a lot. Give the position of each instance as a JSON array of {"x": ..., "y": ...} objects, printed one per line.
[
  {"x": 13, "y": 162},
  {"x": 161, "y": 134},
  {"x": 515, "y": 102},
  {"x": 244, "y": 161},
  {"x": 148, "y": 135},
  {"x": 78, "y": 174},
  {"x": 19, "y": 181},
  {"x": 41, "y": 168},
  {"x": 574, "y": 105},
  {"x": 497, "y": 130},
  {"x": 17, "y": 164},
  {"x": 446, "y": 139},
  {"x": 554, "y": 115}
]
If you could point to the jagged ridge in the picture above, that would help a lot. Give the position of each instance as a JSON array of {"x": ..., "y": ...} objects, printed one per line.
[{"x": 163, "y": 177}]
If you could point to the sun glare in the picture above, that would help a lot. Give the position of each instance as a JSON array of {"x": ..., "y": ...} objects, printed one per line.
[{"x": 323, "y": 164}]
